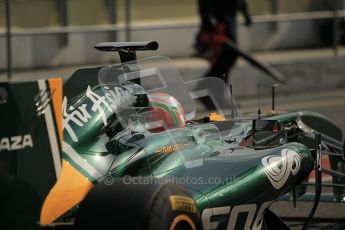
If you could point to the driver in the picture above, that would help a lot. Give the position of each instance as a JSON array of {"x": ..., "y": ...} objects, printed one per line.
[{"x": 166, "y": 112}]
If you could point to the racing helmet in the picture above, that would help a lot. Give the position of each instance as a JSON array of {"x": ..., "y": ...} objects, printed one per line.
[{"x": 167, "y": 111}]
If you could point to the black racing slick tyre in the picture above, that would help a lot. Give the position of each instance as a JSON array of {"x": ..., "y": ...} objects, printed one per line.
[
  {"x": 173, "y": 209},
  {"x": 146, "y": 206}
]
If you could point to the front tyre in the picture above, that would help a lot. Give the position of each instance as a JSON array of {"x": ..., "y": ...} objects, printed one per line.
[
  {"x": 144, "y": 206},
  {"x": 174, "y": 209}
]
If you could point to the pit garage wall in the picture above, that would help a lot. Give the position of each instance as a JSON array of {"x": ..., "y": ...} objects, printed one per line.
[{"x": 51, "y": 48}]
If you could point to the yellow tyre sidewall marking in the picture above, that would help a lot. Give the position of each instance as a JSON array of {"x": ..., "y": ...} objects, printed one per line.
[
  {"x": 182, "y": 203},
  {"x": 180, "y": 218}
]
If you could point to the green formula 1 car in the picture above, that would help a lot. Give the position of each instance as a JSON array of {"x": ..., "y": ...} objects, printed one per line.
[{"x": 139, "y": 151}]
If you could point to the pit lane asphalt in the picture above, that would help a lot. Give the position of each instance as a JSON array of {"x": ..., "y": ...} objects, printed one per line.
[{"x": 302, "y": 210}]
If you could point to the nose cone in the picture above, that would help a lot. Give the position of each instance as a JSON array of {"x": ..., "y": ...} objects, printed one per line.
[
  {"x": 288, "y": 166},
  {"x": 70, "y": 190}
]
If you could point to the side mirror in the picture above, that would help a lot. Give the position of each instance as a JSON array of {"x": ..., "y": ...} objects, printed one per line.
[{"x": 266, "y": 125}]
